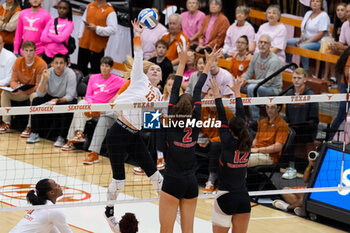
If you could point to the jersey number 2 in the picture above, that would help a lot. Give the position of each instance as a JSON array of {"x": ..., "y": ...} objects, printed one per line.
[{"x": 187, "y": 137}]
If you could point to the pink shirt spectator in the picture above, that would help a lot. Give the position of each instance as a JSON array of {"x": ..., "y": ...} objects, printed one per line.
[
  {"x": 149, "y": 37},
  {"x": 233, "y": 33},
  {"x": 191, "y": 24},
  {"x": 345, "y": 33},
  {"x": 30, "y": 26},
  {"x": 223, "y": 78},
  {"x": 100, "y": 90},
  {"x": 278, "y": 33},
  {"x": 187, "y": 75},
  {"x": 210, "y": 27},
  {"x": 53, "y": 43}
]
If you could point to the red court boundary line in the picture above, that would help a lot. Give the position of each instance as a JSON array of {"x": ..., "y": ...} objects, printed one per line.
[{"x": 68, "y": 224}]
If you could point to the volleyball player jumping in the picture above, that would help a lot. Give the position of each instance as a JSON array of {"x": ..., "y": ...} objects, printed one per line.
[
  {"x": 43, "y": 220},
  {"x": 232, "y": 203},
  {"x": 124, "y": 136},
  {"x": 180, "y": 187}
]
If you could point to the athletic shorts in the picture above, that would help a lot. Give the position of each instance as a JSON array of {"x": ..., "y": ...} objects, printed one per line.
[
  {"x": 227, "y": 204},
  {"x": 181, "y": 186}
]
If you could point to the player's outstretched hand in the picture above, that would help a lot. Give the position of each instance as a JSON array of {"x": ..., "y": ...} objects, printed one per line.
[
  {"x": 236, "y": 88},
  {"x": 137, "y": 28},
  {"x": 211, "y": 57},
  {"x": 215, "y": 88},
  {"x": 183, "y": 56}
]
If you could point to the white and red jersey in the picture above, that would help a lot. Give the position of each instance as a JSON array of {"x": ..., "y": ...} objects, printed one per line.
[
  {"x": 43, "y": 221},
  {"x": 139, "y": 90}
]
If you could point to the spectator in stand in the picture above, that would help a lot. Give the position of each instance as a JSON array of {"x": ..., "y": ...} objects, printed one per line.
[
  {"x": 192, "y": 21},
  {"x": 174, "y": 37},
  {"x": 314, "y": 27},
  {"x": 339, "y": 18},
  {"x": 272, "y": 134},
  {"x": 200, "y": 64},
  {"x": 214, "y": 27},
  {"x": 241, "y": 58},
  {"x": 9, "y": 13},
  {"x": 343, "y": 40},
  {"x": 294, "y": 201},
  {"x": 101, "y": 89},
  {"x": 223, "y": 78},
  {"x": 7, "y": 59},
  {"x": 305, "y": 6},
  {"x": 239, "y": 28},
  {"x": 276, "y": 30},
  {"x": 31, "y": 23},
  {"x": 189, "y": 69},
  {"x": 98, "y": 23},
  {"x": 57, "y": 32},
  {"x": 167, "y": 87},
  {"x": 26, "y": 70},
  {"x": 213, "y": 145},
  {"x": 57, "y": 86},
  {"x": 303, "y": 118},
  {"x": 149, "y": 38},
  {"x": 262, "y": 65},
  {"x": 162, "y": 61}
]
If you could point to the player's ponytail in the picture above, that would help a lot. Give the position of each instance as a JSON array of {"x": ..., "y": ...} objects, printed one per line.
[
  {"x": 244, "y": 139},
  {"x": 38, "y": 196},
  {"x": 238, "y": 128},
  {"x": 184, "y": 107},
  {"x": 128, "y": 223}
]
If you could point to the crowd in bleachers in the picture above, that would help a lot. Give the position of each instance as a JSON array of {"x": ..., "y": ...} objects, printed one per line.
[{"x": 31, "y": 41}]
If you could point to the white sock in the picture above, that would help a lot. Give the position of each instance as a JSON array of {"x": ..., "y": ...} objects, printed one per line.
[
  {"x": 160, "y": 154},
  {"x": 114, "y": 188},
  {"x": 157, "y": 181}
]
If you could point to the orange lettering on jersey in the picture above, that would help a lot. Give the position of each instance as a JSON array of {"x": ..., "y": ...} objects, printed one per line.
[{"x": 150, "y": 96}]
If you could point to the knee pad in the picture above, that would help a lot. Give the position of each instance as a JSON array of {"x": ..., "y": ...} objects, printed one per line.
[{"x": 114, "y": 188}]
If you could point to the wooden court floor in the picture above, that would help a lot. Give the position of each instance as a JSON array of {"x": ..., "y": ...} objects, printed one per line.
[{"x": 44, "y": 155}]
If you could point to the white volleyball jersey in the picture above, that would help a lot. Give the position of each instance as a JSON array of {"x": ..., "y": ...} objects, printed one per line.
[
  {"x": 140, "y": 90},
  {"x": 43, "y": 221}
]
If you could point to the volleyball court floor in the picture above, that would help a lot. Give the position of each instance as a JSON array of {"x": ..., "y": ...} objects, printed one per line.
[{"x": 22, "y": 165}]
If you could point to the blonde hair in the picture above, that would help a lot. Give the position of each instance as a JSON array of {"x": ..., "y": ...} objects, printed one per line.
[
  {"x": 130, "y": 61},
  {"x": 300, "y": 71}
]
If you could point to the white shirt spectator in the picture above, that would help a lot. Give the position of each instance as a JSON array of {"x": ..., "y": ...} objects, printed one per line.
[
  {"x": 310, "y": 27},
  {"x": 7, "y": 59}
]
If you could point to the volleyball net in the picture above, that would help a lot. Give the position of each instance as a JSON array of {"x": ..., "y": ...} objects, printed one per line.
[{"x": 23, "y": 164}]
